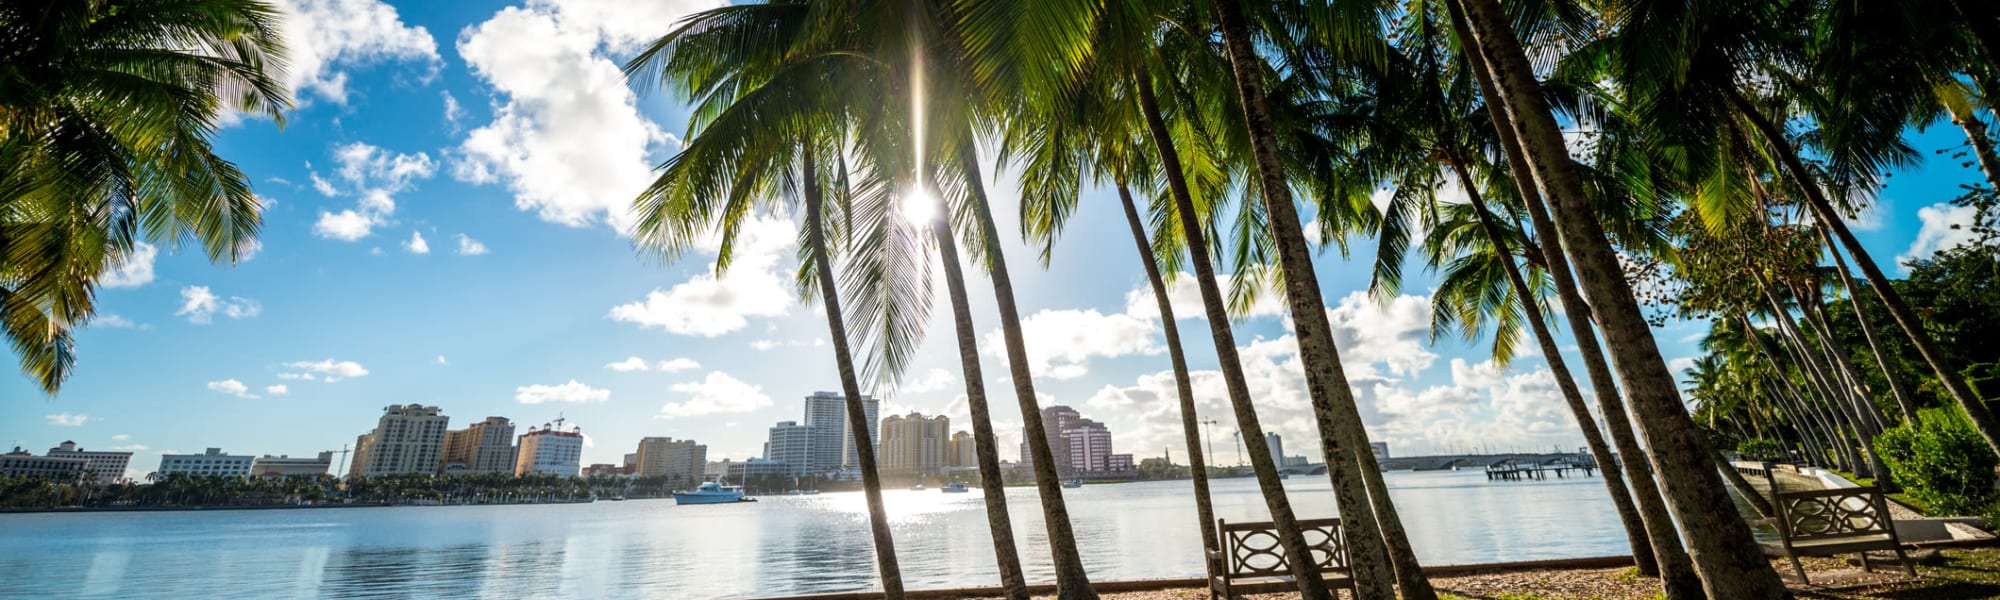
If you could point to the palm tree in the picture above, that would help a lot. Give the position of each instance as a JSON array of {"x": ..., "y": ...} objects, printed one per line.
[{"x": 107, "y": 116}]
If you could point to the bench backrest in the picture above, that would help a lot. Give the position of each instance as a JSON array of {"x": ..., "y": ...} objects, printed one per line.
[
  {"x": 1254, "y": 550},
  {"x": 1833, "y": 514}
]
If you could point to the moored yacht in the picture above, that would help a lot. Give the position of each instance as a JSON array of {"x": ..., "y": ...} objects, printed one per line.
[
  {"x": 711, "y": 493},
  {"x": 956, "y": 487}
]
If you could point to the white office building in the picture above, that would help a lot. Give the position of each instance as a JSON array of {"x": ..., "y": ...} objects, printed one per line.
[
  {"x": 210, "y": 462},
  {"x": 551, "y": 449},
  {"x": 102, "y": 467}
]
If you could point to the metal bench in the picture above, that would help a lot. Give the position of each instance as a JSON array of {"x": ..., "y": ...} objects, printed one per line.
[
  {"x": 1253, "y": 561},
  {"x": 1833, "y": 522}
]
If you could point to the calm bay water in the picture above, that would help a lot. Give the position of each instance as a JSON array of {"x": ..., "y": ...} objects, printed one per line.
[{"x": 781, "y": 545}]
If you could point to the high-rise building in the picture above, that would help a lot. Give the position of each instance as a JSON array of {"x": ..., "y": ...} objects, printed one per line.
[
  {"x": 1089, "y": 446},
  {"x": 553, "y": 449},
  {"x": 1381, "y": 450},
  {"x": 914, "y": 443},
  {"x": 792, "y": 444},
  {"x": 100, "y": 466},
  {"x": 1277, "y": 446},
  {"x": 833, "y": 444},
  {"x": 963, "y": 452},
  {"x": 483, "y": 447},
  {"x": 1118, "y": 463},
  {"x": 20, "y": 463},
  {"x": 1055, "y": 419},
  {"x": 211, "y": 462},
  {"x": 406, "y": 439},
  {"x": 283, "y": 466},
  {"x": 680, "y": 461}
]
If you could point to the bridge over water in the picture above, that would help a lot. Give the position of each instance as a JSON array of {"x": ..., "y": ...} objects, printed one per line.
[{"x": 1445, "y": 462}]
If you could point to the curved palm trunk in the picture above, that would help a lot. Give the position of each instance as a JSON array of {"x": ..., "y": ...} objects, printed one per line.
[
  {"x": 1614, "y": 482},
  {"x": 1726, "y": 556},
  {"x": 1835, "y": 424},
  {"x": 1864, "y": 399},
  {"x": 1844, "y": 405},
  {"x": 1982, "y": 145},
  {"x": 1897, "y": 386},
  {"x": 1265, "y": 466},
  {"x": 857, "y": 417},
  {"x": 1823, "y": 211},
  {"x": 1072, "y": 582},
  {"x": 1342, "y": 439},
  {"x": 1190, "y": 422},
  {"x": 985, "y": 445},
  {"x": 1676, "y": 569}
]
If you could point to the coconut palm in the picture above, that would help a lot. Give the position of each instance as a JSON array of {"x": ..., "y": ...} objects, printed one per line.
[{"x": 107, "y": 114}]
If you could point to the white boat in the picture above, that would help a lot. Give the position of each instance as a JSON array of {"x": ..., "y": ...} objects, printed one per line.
[
  {"x": 918, "y": 487},
  {"x": 711, "y": 493},
  {"x": 1073, "y": 484},
  {"x": 953, "y": 488}
]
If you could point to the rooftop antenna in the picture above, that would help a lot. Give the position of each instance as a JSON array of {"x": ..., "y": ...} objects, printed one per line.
[{"x": 342, "y": 469}]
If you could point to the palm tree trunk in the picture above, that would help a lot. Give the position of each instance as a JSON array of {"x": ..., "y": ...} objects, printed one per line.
[
  {"x": 1836, "y": 425},
  {"x": 1677, "y": 575},
  {"x": 1190, "y": 422},
  {"x": 1072, "y": 581},
  {"x": 1982, "y": 419},
  {"x": 1311, "y": 585},
  {"x": 1333, "y": 401},
  {"x": 991, "y": 484},
  {"x": 1897, "y": 386},
  {"x": 1982, "y": 144},
  {"x": 1726, "y": 556},
  {"x": 857, "y": 417},
  {"x": 1614, "y": 481},
  {"x": 1844, "y": 403},
  {"x": 1814, "y": 314}
]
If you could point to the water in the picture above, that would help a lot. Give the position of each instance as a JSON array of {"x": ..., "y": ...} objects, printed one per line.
[{"x": 781, "y": 545}]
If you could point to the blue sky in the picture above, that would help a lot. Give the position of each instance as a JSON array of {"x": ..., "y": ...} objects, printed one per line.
[{"x": 445, "y": 226}]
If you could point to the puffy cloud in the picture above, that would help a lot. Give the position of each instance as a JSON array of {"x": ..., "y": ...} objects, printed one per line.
[
  {"x": 567, "y": 137},
  {"x": 631, "y": 363},
  {"x": 1395, "y": 335},
  {"x": 1061, "y": 342},
  {"x": 135, "y": 270},
  {"x": 417, "y": 245},
  {"x": 469, "y": 247},
  {"x": 718, "y": 393},
  {"x": 67, "y": 419},
  {"x": 324, "y": 37},
  {"x": 200, "y": 306},
  {"x": 930, "y": 381},
  {"x": 767, "y": 343},
  {"x": 328, "y": 370},
  {"x": 572, "y": 392},
  {"x": 133, "y": 448},
  {"x": 277, "y": 390},
  {"x": 1184, "y": 295},
  {"x": 709, "y": 306},
  {"x": 346, "y": 225},
  {"x": 678, "y": 364},
  {"x": 374, "y": 176},
  {"x": 231, "y": 387},
  {"x": 1944, "y": 227},
  {"x": 452, "y": 111},
  {"x": 121, "y": 437}
]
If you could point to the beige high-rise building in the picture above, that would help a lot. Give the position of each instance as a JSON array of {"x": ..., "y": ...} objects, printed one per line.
[
  {"x": 964, "y": 451},
  {"x": 914, "y": 443},
  {"x": 680, "y": 461},
  {"x": 483, "y": 447},
  {"x": 554, "y": 449},
  {"x": 407, "y": 439}
]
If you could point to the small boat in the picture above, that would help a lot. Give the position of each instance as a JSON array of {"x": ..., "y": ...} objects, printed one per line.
[
  {"x": 1073, "y": 484},
  {"x": 918, "y": 487},
  {"x": 617, "y": 498},
  {"x": 712, "y": 493},
  {"x": 805, "y": 492},
  {"x": 955, "y": 487}
]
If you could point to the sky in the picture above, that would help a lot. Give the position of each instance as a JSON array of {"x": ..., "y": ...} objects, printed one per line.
[{"x": 446, "y": 224}]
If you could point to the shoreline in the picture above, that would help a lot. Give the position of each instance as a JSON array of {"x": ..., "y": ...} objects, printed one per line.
[{"x": 136, "y": 509}]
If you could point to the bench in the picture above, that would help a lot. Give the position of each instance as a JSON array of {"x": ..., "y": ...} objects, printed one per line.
[
  {"x": 1833, "y": 522},
  {"x": 1253, "y": 561}
]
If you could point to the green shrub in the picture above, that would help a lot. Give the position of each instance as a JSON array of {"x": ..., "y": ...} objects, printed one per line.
[
  {"x": 1943, "y": 463},
  {"x": 1760, "y": 449}
]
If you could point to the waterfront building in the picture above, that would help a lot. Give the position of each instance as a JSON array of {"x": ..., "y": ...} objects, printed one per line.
[
  {"x": 632, "y": 461},
  {"x": 483, "y": 447},
  {"x": 100, "y": 466},
  {"x": 716, "y": 469},
  {"x": 210, "y": 462},
  {"x": 1381, "y": 450},
  {"x": 607, "y": 469},
  {"x": 1089, "y": 446},
  {"x": 1055, "y": 420},
  {"x": 680, "y": 461},
  {"x": 833, "y": 441},
  {"x": 553, "y": 449},
  {"x": 268, "y": 466},
  {"x": 20, "y": 463},
  {"x": 1118, "y": 463},
  {"x": 740, "y": 472},
  {"x": 963, "y": 452},
  {"x": 914, "y": 443},
  {"x": 1277, "y": 446},
  {"x": 1293, "y": 461},
  {"x": 792, "y": 444},
  {"x": 406, "y": 439}
]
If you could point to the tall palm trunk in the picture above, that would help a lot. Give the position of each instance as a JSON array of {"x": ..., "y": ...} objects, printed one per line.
[
  {"x": 1183, "y": 387},
  {"x": 857, "y": 417},
  {"x": 1342, "y": 438},
  {"x": 1844, "y": 405},
  {"x": 1614, "y": 479},
  {"x": 1725, "y": 555},
  {"x": 1823, "y": 211},
  {"x": 985, "y": 445},
  {"x": 1676, "y": 568},
  {"x": 1265, "y": 466},
  {"x": 1072, "y": 581},
  {"x": 1976, "y": 137},
  {"x": 1897, "y": 386},
  {"x": 1814, "y": 314},
  {"x": 1834, "y": 424}
]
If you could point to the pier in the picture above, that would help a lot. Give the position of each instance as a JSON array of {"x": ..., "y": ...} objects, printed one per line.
[{"x": 1515, "y": 470}]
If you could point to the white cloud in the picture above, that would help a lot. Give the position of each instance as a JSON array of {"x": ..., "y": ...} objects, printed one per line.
[
  {"x": 931, "y": 381},
  {"x": 328, "y": 370},
  {"x": 1395, "y": 335},
  {"x": 68, "y": 420},
  {"x": 709, "y": 306},
  {"x": 442, "y": 361},
  {"x": 374, "y": 176},
  {"x": 678, "y": 364},
  {"x": 1184, "y": 294},
  {"x": 470, "y": 247},
  {"x": 1061, "y": 342},
  {"x": 136, "y": 268},
  {"x": 716, "y": 394},
  {"x": 417, "y": 245},
  {"x": 320, "y": 184},
  {"x": 200, "y": 306},
  {"x": 231, "y": 387},
  {"x": 277, "y": 390},
  {"x": 121, "y": 437},
  {"x": 132, "y": 448},
  {"x": 567, "y": 137},
  {"x": 452, "y": 111},
  {"x": 631, "y": 363},
  {"x": 112, "y": 321},
  {"x": 573, "y": 392},
  {"x": 1944, "y": 226},
  {"x": 346, "y": 225},
  {"x": 324, "y": 37}
]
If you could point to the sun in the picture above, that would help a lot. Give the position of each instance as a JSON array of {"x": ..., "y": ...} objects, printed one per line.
[{"x": 918, "y": 205}]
